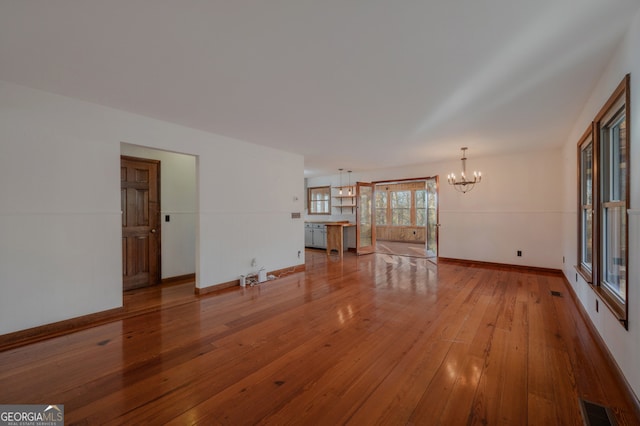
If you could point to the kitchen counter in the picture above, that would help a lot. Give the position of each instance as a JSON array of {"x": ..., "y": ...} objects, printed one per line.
[
  {"x": 325, "y": 222},
  {"x": 335, "y": 236}
]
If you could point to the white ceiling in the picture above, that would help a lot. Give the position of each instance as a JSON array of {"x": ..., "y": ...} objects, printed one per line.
[{"x": 359, "y": 84}]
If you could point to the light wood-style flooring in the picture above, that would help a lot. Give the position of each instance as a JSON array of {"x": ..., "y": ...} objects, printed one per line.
[{"x": 374, "y": 339}]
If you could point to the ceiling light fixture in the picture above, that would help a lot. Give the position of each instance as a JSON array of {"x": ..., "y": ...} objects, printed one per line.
[
  {"x": 349, "y": 171},
  {"x": 464, "y": 185},
  {"x": 340, "y": 192}
]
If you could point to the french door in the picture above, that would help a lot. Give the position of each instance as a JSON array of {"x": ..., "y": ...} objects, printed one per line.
[
  {"x": 432, "y": 217},
  {"x": 365, "y": 219}
]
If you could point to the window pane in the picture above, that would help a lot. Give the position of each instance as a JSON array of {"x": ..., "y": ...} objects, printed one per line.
[
  {"x": 618, "y": 160},
  {"x": 401, "y": 217},
  {"x": 614, "y": 249},
  {"x": 587, "y": 174},
  {"x": 587, "y": 238},
  {"x": 614, "y": 166},
  {"x": 401, "y": 199},
  {"x": 421, "y": 207}
]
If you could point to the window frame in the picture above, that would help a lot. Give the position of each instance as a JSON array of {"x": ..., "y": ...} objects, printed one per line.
[
  {"x": 617, "y": 106},
  {"x": 585, "y": 270},
  {"x": 311, "y": 199}
]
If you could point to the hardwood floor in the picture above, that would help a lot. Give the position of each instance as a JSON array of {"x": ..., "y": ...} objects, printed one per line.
[
  {"x": 374, "y": 339},
  {"x": 404, "y": 249}
]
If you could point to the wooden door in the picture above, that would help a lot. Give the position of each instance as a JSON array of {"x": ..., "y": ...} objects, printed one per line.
[
  {"x": 140, "y": 204},
  {"x": 365, "y": 218}
]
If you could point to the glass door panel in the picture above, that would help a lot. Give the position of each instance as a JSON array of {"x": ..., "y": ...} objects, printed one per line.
[
  {"x": 432, "y": 217},
  {"x": 365, "y": 229}
]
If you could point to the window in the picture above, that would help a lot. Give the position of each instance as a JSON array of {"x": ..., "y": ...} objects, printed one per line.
[
  {"x": 403, "y": 204},
  {"x": 603, "y": 199},
  {"x": 319, "y": 200},
  {"x": 401, "y": 208},
  {"x": 585, "y": 245},
  {"x": 381, "y": 207},
  {"x": 613, "y": 205}
]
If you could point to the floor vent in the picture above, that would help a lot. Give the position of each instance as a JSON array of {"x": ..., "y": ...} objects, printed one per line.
[
  {"x": 596, "y": 414},
  {"x": 556, "y": 293}
]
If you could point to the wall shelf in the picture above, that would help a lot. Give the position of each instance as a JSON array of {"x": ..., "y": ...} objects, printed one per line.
[{"x": 344, "y": 201}]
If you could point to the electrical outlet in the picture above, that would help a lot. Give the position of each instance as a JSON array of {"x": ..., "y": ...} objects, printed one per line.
[
  {"x": 254, "y": 262},
  {"x": 519, "y": 253},
  {"x": 299, "y": 253},
  {"x": 563, "y": 260}
]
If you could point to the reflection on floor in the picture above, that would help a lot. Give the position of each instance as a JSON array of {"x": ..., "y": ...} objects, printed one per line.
[{"x": 399, "y": 248}]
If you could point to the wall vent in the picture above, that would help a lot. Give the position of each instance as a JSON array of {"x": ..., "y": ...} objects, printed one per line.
[
  {"x": 556, "y": 293},
  {"x": 596, "y": 414}
]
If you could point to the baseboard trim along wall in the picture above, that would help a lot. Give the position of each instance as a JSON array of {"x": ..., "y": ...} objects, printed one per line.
[
  {"x": 179, "y": 278},
  {"x": 472, "y": 263},
  {"x": 35, "y": 334},
  {"x": 221, "y": 286}
]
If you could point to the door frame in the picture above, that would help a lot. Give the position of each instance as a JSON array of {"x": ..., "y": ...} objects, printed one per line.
[{"x": 437, "y": 224}]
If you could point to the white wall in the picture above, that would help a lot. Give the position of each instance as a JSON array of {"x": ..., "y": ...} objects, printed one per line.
[
  {"x": 178, "y": 199},
  {"x": 624, "y": 345},
  {"x": 517, "y": 206},
  {"x": 60, "y": 249}
]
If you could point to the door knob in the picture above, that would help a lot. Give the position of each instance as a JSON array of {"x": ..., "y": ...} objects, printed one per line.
[{"x": 153, "y": 231}]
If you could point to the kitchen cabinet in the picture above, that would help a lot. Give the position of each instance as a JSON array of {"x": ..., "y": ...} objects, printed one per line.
[
  {"x": 315, "y": 235},
  {"x": 308, "y": 235}
]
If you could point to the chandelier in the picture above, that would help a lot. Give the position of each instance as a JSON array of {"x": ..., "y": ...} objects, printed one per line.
[{"x": 464, "y": 185}]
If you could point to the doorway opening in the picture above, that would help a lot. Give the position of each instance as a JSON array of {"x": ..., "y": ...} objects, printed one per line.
[
  {"x": 406, "y": 217},
  {"x": 175, "y": 220}
]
